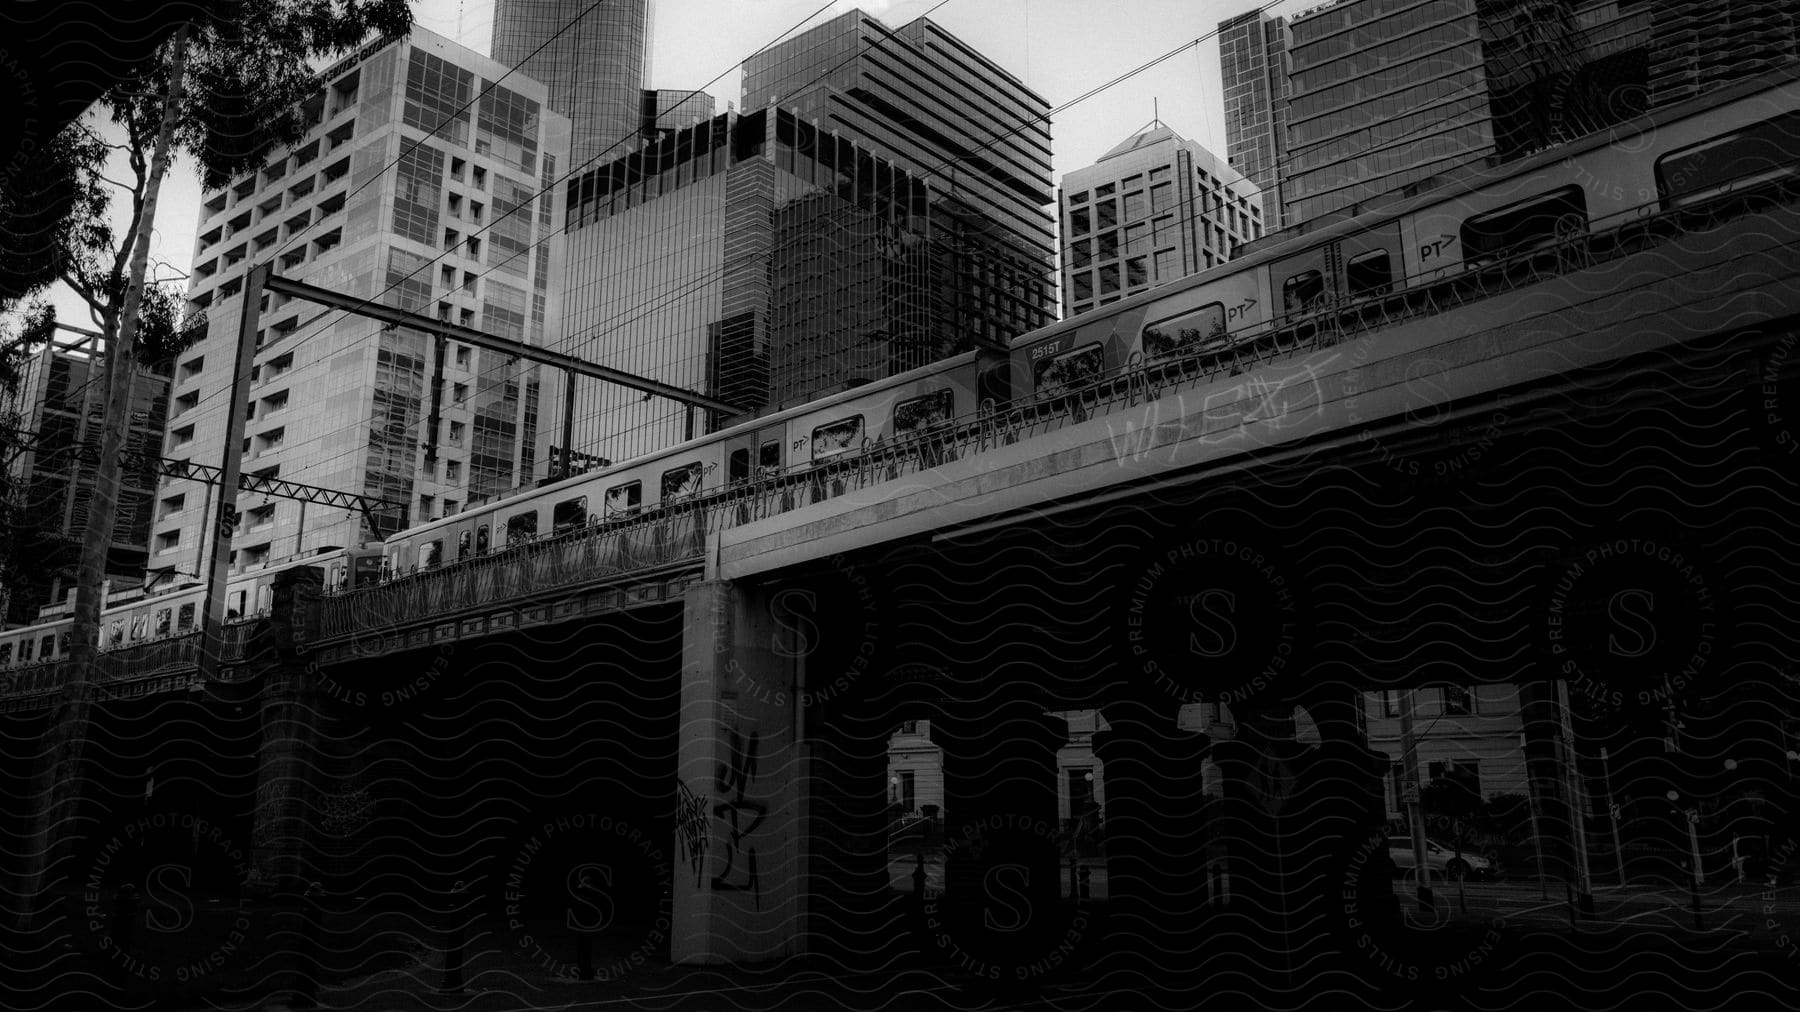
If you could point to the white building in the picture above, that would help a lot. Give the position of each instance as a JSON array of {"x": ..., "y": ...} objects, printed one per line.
[
  {"x": 1155, "y": 208},
  {"x": 399, "y": 191}
]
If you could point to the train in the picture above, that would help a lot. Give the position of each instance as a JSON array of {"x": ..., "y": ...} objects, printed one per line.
[
  {"x": 134, "y": 617},
  {"x": 1735, "y": 145}
]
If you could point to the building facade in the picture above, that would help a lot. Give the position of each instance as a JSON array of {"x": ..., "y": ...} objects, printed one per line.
[
  {"x": 1701, "y": 44},
  {"x": 1155, "y": 208},
  {"x": 1253, "y": 75},
  {"x": 404, "y": 191},
  {"x": 60, "y": 398},
  {"x": 592, "y": 59},
  {"x": 1472, "y": 736},
  {"x": 756, "y": 258},
  {"x": 925, "y": 101}
]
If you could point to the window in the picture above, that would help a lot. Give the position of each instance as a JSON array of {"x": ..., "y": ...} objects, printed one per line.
[
  {"x": 163, "y": 616},
  {"x": 923, "y": 413},
  {"x": 481, "y": 539},
  {"x": 835, "y": 438},
  {"x": 453, "y": 470},
  {"x": 167, "y": 541},
  {"x": 182, "y": 436},
  {"x": 463, "y": 357},
  {"x": 171, "y": 505},
  {"x": 426, "y": 505},
  {"x": 569, "y": 515},
  {"x": 450, "y": 507},
  {"x": 431, "y": 553},
  {"x": 1188, "y": 332},
  {"x": 456, "y": 433},
  {"x": 768, "y": 458},
  {"x": 738, "y": 467},
  {"x": 1106, "y": 214},
  {"x": 1079, "y": 222},
  {"x": 521, "y": 526},
  {"x": 624, "y": 498},
  {"x": 1109, "y": 279},
  {"x": 681, "y": 481},
  {"x": 1302, "y": 292},
  {"x": 464, "y": 541},
  {"x": 1137, "y": 272},
  {"x": 1368, "y": 274},
  {"x": 1459, "y": 700},
  {"x": 1069, "y": 370},
  {"x": 1525, "y": 225},
  {"x": 184, "y": 618},
  {"x": 909, "y": 727},
  {"x": 1740, "y": 159},
  {"x": 1135, "y": 205},
  {"x": 5, "y": 654},
  {"x": 1388, "y": 702}
]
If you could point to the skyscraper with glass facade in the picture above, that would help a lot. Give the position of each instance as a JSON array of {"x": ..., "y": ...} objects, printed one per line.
[
  {"x": 592, "y": 57},
  {"x": 757, "y": 258},
  {"x": 1155, "y": 208},
  {"x": 1253, "y": 74},
  {"x": 980, "y": 139},
  {"x": 410, "y": 190},
  {"x": 1701, "y": 44}
]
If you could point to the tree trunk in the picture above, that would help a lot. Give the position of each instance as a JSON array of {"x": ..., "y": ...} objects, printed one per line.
[{"x": 59, "y": 772}]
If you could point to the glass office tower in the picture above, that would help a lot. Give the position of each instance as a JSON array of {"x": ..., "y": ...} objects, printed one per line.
[
  {"x": 923, "y": 99},
  {"x": 1253, "y": 73},
  {"x": 594, "y": 59},
  {"x": 756, "y": 258}
]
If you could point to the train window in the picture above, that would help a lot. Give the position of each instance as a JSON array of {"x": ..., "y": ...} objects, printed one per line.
[
  {"x": 184, "y": 618},
  {"x": 62, "y": 643},
  {"x": 737, "y": 468},
  {"x": 768, "y": 457},
  {"x": 569, "y": 514},
  {"x": 835, "y": 438},
  {"x": 481, "y": 539},
  {"x": 1070, "y": 369},
  {"x": 922, "y": 413},
  {"x": 265, "y": 599},
  {"x": 1191, "y": 331},
  {"x": 464, "y": 541},
  {"x": 368, "y": 570},
  {"x": 521, "y": 526},
  {"x": 624, "y": 498},
  {"x": 25, "y": 650},
  {"x": 1518, "y": 227},
  {"x": 431, "y": 553},
  {"x": 683, "y": 480},
  {"x": 5, "y": 654},
  {"x": 162, "y": 621},
  {"x": 117, "y": 632},
  {"x": 1302, "y": 292},
  {"x": 47, "y": 647},
  {"x": 1757, "y": 153},
  {"x": 1368, "y": 274},
  {"x": 140, "y": 627}
]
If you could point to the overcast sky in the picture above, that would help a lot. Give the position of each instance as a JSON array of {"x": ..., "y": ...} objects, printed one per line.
[{"x": 1061, "y": 48}]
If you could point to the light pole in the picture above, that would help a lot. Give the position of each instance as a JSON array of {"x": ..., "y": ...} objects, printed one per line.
[
  {"x": 1698, "y": 879},
  {"x": 1537, "y": 839},
  {"x": 1612, "y": 814},
  {"x": 1577, "y": 794}
]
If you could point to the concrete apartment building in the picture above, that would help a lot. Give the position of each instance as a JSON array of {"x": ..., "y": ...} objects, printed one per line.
[
  {"x": 407, "y": 189},
  {"x": 1155, "y": 208},
  {"x": 59, "y": 398}
]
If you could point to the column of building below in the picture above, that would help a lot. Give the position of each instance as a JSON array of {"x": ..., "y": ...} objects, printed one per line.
[
  {"x": 1259, "y": 770},
  {"x": 742, "y": 804},
  {"x": 854, "y": 919},
  {"x": 1159, "y": 875},
  {"x": 1000, "y": 914},
  {"x": 288, "y": 753}
]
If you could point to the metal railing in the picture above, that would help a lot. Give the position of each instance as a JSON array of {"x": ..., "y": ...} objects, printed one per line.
[
  {"x": 674, "y": 534},
  {"x": 133, "y": 662}
]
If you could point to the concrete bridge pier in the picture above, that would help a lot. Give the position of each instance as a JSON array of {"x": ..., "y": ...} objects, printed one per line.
[
  {"x": 743, "y": 766},
  {"x": 288, "y": 753},
  {"x": 1157, "y": 828}
]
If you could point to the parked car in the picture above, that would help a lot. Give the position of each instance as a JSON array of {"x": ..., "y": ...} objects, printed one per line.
[{"x": 1442, "y": 860}]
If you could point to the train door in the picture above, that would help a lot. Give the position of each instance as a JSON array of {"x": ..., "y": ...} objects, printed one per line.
[
  {"x": 1370, "y": 262},
  {"x": 1304, "y": 283},
  {"x": 740, "y": 458}
]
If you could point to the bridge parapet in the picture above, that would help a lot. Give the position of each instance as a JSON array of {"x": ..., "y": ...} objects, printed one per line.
[{"x": 128, "y": 672}]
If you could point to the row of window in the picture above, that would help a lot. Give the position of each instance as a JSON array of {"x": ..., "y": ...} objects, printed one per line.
[{"x": 1452, "y": 701}]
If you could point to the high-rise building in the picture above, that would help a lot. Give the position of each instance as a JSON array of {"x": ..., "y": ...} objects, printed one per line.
[
  {"x": 1381, "y": 94},
  {"x": 1384, "y": 94},
  {"x": 667, "y": 110},
  {"x": 1253, "y": 74},
  {"x": 592, "y": 57},
  {"x": 1701, "y": 44},
  {"x": 923, "y": 99},
  {"x": 405, "y": 191},
  {"x": 756, "y": 258},
  {"x": 1155, "y": 208},
  {"x": 59, "y": 399}
]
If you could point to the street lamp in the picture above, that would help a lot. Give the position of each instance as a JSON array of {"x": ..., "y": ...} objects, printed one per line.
[
  {"x": 1699, "y": 877},
  {"x": 1612, "y": 814}
]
